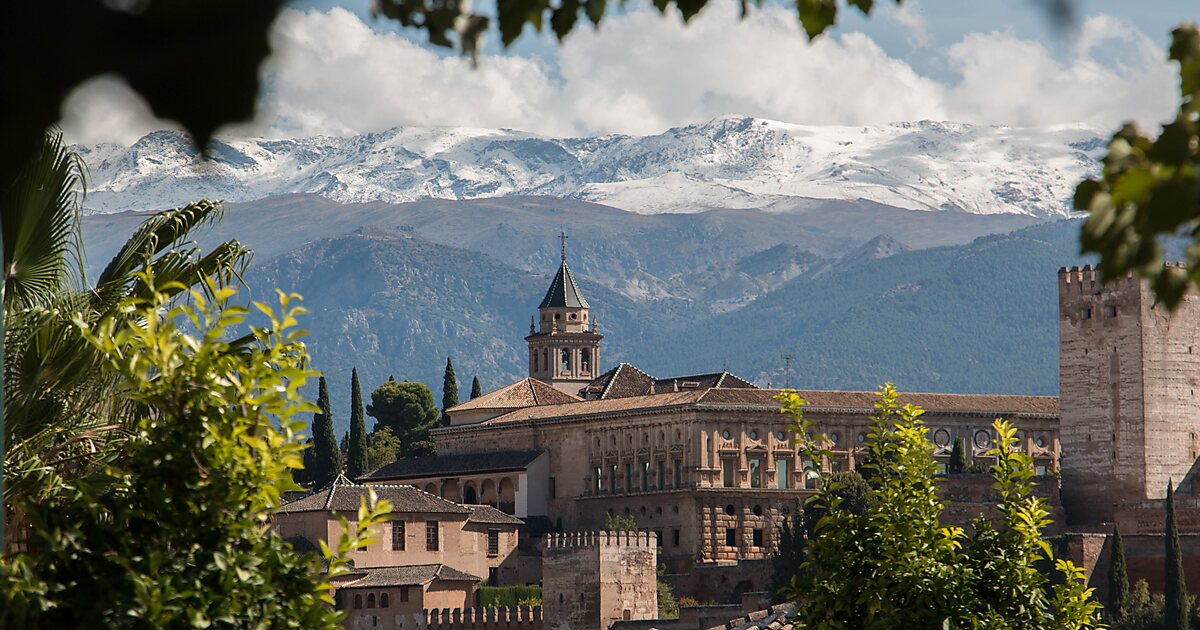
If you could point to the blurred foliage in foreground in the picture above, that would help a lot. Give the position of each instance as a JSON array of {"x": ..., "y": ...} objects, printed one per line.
[{"x": 176, "y": 532}]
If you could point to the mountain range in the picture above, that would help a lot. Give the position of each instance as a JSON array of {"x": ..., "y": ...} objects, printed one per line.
[
  {"x": 921, "y": 253},
  {"x": 729, "y": 162}
]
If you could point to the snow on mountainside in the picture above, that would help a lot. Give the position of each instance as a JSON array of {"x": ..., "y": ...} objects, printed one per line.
[{"x": 730, "y": 162}]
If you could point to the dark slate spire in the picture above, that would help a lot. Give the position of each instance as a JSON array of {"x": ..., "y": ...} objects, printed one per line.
[{"x": 563, "y": 292}]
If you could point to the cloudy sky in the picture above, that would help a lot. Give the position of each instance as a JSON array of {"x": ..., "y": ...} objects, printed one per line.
[{"x": 1005, "y": 62}]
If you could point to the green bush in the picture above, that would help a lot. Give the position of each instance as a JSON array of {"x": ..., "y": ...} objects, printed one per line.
[{"x": 509, "y": 596}]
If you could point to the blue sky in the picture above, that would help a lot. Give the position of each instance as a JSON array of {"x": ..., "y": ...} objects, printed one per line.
[{"x": 1000, "y": 62}]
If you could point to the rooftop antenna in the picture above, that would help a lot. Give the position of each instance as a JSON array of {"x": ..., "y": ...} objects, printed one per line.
[
  {"x": 562, "y": 236},
  {"x": 787, "y": 368}
]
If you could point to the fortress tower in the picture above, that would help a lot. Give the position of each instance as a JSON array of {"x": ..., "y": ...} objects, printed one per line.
[
  {"x": 564, "y": 346},
  {"x": 1129, "y": 379},
  {"x": 592, "y": 579}
]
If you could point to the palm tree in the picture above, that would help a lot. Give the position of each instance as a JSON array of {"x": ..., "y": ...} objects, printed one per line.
[{"x": 64, "y": 411}]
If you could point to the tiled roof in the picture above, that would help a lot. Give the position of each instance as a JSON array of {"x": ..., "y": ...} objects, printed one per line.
[
  {"x": 773, "y": 618},
  {"x": 528, "y": 392},
  {"x": 626, "y": 380},
  {"x": 856, "y": 402},
  {"x": 341, "y": 497},
  {"x": 412, "y": 575},
  {"x": 590, "y": 407},
  {"x": 563, "y": 292},
  {"x": 441, "y": 465},
  {"x": 490, "y": 515},
  {"x": 998, "y": 404}
]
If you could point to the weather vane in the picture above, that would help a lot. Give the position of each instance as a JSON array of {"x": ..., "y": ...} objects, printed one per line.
[{"x": 562, "y": 236}]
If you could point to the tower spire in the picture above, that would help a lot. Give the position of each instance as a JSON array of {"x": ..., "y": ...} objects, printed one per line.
[{"x": 562, "y": 236}]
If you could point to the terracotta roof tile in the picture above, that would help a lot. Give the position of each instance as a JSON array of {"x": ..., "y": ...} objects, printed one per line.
[
  {"x": 526, "y": 392},
  {"x": 341, "y": 497},
  {"x": 411, "y": 575},
  {"x": 490, "y": 515},
  {"x": 589, "y": 407},
  {"x": 1000, "y": 404}
]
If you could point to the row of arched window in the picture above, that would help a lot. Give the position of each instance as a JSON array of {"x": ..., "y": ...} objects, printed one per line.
[
  {"x": 585, "y": 360},
  {"x": 371, "y": 601}
]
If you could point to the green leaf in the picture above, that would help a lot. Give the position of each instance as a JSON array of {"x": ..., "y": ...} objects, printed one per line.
[{"x": 816, "y": 15}]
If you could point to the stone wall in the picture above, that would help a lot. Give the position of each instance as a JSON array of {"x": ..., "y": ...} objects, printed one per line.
[
  {"x": 518, "y": 618},
  {"x": 1128, "y": 379},
  {"x": 592, "y": 579}
]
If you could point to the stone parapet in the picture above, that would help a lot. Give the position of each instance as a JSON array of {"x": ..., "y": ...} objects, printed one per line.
[
  {"x": 493, "y": 618},
  {"x": 571, "y": 540}
]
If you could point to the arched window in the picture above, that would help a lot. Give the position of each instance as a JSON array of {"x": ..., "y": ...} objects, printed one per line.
[
  {"x": 545, "y": 359},
  {"x": 357, "y": 601},
  {"x": 371, "y": 600},
  {"x": 469, "y": 495},
  {"x": 585, "y": 361},
  {"x": 535, "y": 361},
  {"x": 384, "y": 601},
  {"x": 566, "y": 360}
]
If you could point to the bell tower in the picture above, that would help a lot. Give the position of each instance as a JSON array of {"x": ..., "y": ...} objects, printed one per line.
[{"x": 564, "y": 343}]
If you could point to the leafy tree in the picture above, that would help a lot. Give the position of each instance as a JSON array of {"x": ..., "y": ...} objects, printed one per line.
[
  {"x": 1175, "y": 592},
  {"x": 1118, "y": 579},
  {"x": 1150, "y": 189},
  {"x": 383, "y": 448},
  {"x": 795, "y": 532},
  {"x": 476, "y": 390},
  {"x": 619, "y": 523},
  {"x": 407, "y": 409},
  {"x": 172, "y": 534},
  {"x": 356, "y": 452},
  {"x": 896, "y": 566},
  {"x": 327, "y": 461},
  {"x": 958, "y": 458},
  {"x": 1143, "y": 611},
  {"x": 449, "y": 391},
  {"x": 66, "y": 411}
]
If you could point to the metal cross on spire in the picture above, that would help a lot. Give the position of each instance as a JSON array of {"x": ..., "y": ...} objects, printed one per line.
[{"x": 562, "y": 236}]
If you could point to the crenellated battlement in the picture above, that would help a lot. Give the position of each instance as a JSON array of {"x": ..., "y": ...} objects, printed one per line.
[
  {"x": 571, "y": 540},
  {"x": 493, "y": 618}
]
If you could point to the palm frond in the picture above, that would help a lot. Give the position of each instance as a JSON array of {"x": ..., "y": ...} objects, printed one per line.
[{"x": 43, "y": 250}]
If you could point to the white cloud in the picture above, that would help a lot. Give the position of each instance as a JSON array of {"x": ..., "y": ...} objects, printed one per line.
[{"x": 642, "y": 72}]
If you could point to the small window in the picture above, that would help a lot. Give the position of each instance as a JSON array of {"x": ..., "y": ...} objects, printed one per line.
[
  {"x": 675, "y": 537},
  {"x": 566, "y": 360},
  {"x": 371, "y": 600},
  {"x": 730, "y": 537},
  {"x": 571, "y": 317},
  {"x": 1110, "y": 311},
  {"x": 834, "y": 437},
  {"x": 1085, "y": 313},
  {"x": 612, "y": 479},
  {"x": 493, "y": 575},
  {"x": 357, "y": 602},
  {"x": 781, "y": 474},
  {"x": 493, "y": 549},
  {"x": 757, "y": 510},
  {"x": 758, "y": 538},
  {"x": 755, "y": 473},
  {"x": 780, "y": 436},
  {"x": 599, "y": 480},
  {"x": 661, "y": 479},
  {"x": 645, "y": 476},
  {"x": 404, "y": 594},
  {"x": 727, "y": 472},
  {"x": 754, "y": 435},
  {"x": 725, "y": 434},
  {"x": 862, "y": 437},
  {"x": 431, "y": 536},
  {"x": 730, "y": 510},
  {"x": 678, "y": 473},
  {"x": 1041, "y": 442},
  {"x": 552, "y": 488},
  {"x": 628, "y": 477},
  {"x": 585, "y": 361},
  {"x": 397, "y": 535},
  {"x": 384, "y": 601}
]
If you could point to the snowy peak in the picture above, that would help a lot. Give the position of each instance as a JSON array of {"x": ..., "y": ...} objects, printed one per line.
[{"x": 728, "y": 162}]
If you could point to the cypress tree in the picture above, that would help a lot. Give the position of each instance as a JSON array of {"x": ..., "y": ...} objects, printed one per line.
[
  {"x": 356, "y": 452},
  {"x": 958, "y": 460},
  {"x": 1118, "y": 580},
  {"x": 476, "y": 390},
  {"x": 303, "y": 476},
  {"x": 449, "y": 391},
  {"x": 327, "y": 460},
  {"x": 345, "y": 443},
  {"x": 1176, "y": 593}
]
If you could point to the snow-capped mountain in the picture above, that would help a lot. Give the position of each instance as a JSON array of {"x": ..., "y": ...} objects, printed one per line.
[{"x": 729, "y": 162}]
